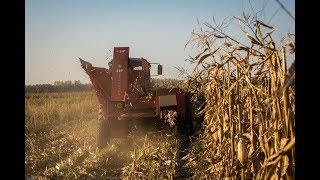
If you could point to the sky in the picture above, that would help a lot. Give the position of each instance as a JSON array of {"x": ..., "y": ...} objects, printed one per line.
[{"x": 58, "y": 32}]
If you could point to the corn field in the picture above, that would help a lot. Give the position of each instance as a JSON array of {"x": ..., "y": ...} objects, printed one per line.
[{"x": 248, "y": 130}]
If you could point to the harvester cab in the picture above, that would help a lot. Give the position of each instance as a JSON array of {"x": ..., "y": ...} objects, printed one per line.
[{"x": 124, "y": 93}]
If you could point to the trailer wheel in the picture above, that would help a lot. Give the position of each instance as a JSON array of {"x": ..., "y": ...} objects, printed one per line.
[{"x": 103, "y": 135}]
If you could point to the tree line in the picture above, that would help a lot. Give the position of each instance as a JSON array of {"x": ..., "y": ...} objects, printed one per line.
[
  {"x": 77, "y": 86},
  {"x": 59, "y": 86}
]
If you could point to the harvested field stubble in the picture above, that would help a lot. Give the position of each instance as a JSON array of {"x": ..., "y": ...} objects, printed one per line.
[
  {"x": 249, "y": 114},
  {"x": 156, "y": 159},
  {"x": 60, "y": 141}
]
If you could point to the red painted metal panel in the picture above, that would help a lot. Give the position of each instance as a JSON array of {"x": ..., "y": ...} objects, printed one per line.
[
  {"x": 119, "y": 128},
  {"x": 119, "y": 72},
  {"x": 101, "y": 81},
  {"x": 180, "y": 95},
  {"x": 115, "y": 108},
  {"x": 146, "y": 72},
  {"x": 181, "y": 108}
]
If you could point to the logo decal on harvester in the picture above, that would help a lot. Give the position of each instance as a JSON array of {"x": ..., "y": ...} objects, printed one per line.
[
  {"x": 121, "y": 51},
  {"x": 119, "y": 72}
]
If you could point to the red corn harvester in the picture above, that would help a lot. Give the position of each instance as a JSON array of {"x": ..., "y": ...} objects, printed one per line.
[{"x": 124, "y": 92}]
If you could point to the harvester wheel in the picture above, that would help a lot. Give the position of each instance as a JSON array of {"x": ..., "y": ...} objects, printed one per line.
[{"x": 103, "y": 136}]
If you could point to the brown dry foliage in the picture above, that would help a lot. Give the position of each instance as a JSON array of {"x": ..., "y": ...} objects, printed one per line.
[{"x": 249, "y": 96}]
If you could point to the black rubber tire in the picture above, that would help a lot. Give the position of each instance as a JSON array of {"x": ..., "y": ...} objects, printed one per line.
[{"x": 103, "y": 136}]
